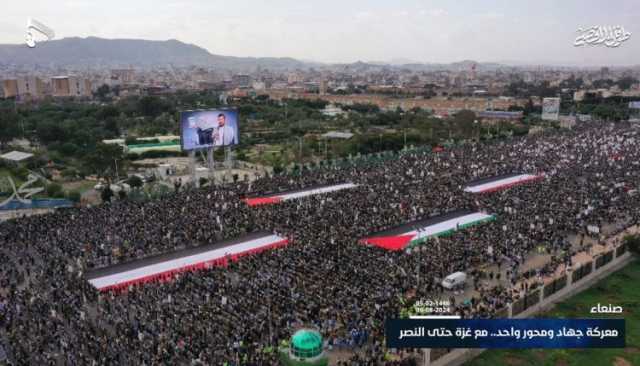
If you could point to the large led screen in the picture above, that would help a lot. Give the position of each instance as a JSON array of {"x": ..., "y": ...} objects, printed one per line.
[{"x": 210, "y": 128}]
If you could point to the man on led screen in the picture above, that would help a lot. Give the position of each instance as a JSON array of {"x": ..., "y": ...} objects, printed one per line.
[{"x": 223, "y": 135}]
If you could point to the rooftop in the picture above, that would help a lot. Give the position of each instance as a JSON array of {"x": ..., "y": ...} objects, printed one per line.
[
  {"x": 16, "y": 156},
  {"x": 337, "y": 135}
]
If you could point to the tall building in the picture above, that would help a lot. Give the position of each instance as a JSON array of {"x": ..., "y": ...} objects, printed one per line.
[
  {"x": 295, "y": 78},
  {"x": 10, "y": 88},
  {"x": 30, "y": 87},
  {"x": 70, "y": 86},
  {"x": 323, "y": 87},
  {"x": 122, "y": 76},
  {"x": 60, "y": 86},
  {"x": 80, "y": 87},
  {"x": 27, "y": 87},
  {"x": 241, "y": 80}
]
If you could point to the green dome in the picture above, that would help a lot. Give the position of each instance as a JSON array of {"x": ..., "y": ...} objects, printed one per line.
[{"x": 306, "y": 343}]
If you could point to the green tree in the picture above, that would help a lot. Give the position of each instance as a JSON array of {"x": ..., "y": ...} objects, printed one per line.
[
  {"x": 69, "y": 173},
  {"x": 111, "y": 126},
  {"x": 8, "y": 126},
  {"x": 103, "y": 159},
  {"x": 633, "y": 243},
  {"x": 68, "y": 149},
  {"x": 103, "y": 91},
  {"x": 626, "y": 82},
  {"x": 54, "y": 190},
  {"x": 106, "y": 194},
  {"x": 50, "y": 131},
  {"x": 134, "y": 181},
  {"x": 363, "y": 108},
  {"x": 464, "y": 122},
  {"x": 607, "y": 112},
  {"x": 151, "y": 106}
]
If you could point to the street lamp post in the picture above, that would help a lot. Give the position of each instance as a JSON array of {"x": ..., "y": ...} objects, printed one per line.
[
  {"x": 285, "y": 110},
  {"x": 475, "y": 122},
  {"x": 326, "y": 142},
  {"x": 405, "y": 138},
  {"x": 300, "y": 147}
]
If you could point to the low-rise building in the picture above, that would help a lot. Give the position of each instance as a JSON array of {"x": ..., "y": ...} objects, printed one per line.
[{"x": 331, "y": 110}]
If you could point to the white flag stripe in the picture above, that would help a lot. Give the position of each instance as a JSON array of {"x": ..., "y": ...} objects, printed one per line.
[
  {"x": 499, "y": 183},
  {"x": 174, "y": 264},
  {"x": 448, "y": 225},
  {"x": 317, "y": 191}
]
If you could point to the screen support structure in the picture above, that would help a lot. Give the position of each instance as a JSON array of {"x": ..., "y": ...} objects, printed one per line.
[
  {"x": 209, "y": 161},
  {"x": 211, "y": 164},
  {"x": 192, "y": 167},
  {"x": 228, "y": 160}
]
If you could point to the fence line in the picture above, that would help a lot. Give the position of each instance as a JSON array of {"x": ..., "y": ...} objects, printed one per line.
[{"x": 568, "y": 284}]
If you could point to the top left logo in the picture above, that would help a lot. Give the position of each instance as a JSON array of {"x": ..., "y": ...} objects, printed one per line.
[{"x": 34, "y": 28}]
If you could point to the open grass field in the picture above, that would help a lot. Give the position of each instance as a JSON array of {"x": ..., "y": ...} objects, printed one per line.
[
  {"x": 6, "y": 173},
  {"x": 5, "y": 187},
  {"x": 81, "y": 186},
  {"x": 621, "y": 288}
]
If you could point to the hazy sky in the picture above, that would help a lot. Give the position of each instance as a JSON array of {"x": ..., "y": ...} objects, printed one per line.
[{"x": 537, "y": 31}]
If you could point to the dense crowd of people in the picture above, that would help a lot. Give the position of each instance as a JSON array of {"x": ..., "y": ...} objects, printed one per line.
[{"x": 325, "y": 278}]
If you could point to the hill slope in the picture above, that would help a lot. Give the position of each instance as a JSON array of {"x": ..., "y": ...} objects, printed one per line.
[{"x": 100, "y": 52}]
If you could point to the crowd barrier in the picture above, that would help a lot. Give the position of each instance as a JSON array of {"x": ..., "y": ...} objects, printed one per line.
[
  {"x": 560, "y": 288},
  {"x": 555, "y": 286}
]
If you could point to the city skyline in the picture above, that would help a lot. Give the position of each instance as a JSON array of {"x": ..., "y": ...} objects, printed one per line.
[{"x": 335, "y": 32}]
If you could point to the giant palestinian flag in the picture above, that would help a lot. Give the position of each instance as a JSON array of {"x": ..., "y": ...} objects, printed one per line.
[
  {"x": 165, "y": 266},
  {"x": 493, "y": 184},
  {"x": 290, "y": 195},
  {"x": 418, "y": 232}
]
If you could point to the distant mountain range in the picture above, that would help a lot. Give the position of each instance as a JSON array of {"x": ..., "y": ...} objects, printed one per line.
[
  {"x": 93, "y": 52},
  {"x": 100, "y": 52}
]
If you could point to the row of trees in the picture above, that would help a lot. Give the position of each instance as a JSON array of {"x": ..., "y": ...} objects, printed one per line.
[
  {"x": 613, "y": 108},
  {"x": 71, "y": 132}
]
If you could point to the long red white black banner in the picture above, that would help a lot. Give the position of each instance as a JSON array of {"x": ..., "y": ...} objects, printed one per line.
[
  {"x": 165, "y": 266},
  {"x": 502, "y": 182},
  {"x": 284, "y": 196}
]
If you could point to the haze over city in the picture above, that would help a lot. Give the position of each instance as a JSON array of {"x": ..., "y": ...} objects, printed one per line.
[{"x": 540, "y": 32}]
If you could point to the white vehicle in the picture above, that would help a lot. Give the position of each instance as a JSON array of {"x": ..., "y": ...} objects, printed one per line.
[{"x": 454, "y": 281}]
